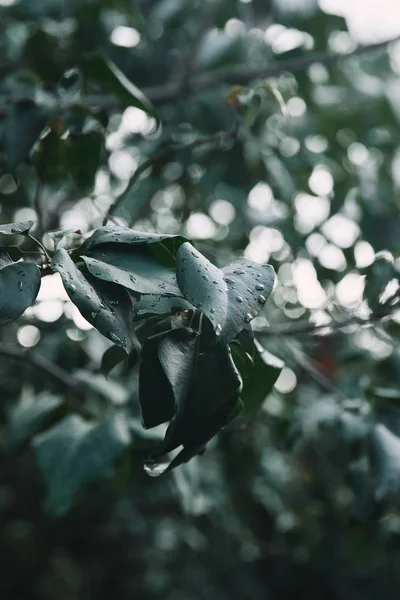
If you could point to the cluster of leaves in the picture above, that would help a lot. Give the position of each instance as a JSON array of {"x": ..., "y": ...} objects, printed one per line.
[{"x": 170, "y": 310}]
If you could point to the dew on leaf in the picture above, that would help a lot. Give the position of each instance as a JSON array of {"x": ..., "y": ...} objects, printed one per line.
[
  {"x": 239, "y": 298},
  {"x": 239, "y": 272},
  {"x": 20, "y": 285},
  {"x": 229, "y": 280},
  {"x": 248, "y": 317},
  {"x": 218, "y": 329},
  {"x": 260, "y": 287},
  {"x": 115, "y": 338},
  {"x": 261, "y": 299}
]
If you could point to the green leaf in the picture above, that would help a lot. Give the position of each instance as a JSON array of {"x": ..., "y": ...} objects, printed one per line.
[
  {"x": 178, "y": 352},
  {"x": 259, "y": 376},
  {"x": 19, "y": 286},
  {"x": 163, "y": 247},
  {"x": 115, "y": 355},
  {"x": 22, "y": 128},
  {"x": 152, "y": 304},
  {"x": 82, "y": 154},
  {"x": 14, "y": 228},
  {"x": 230, "y": 297},
  {"x": 168, "y": 364},
  {"x": 30, "y": 415},
  {"x": 5, "y": 258},
  {"x": 386, "y": 448},
  {"x": 208, "y": 406},
  {"x": 104, "y": 71},
  {"x": 155, "y": 393},
  {"x": 75, "y": 453},
  {"x": 138, "y": 272},
  {"x": 107, "y": 307},
  {"x": 60, "y": 234}
]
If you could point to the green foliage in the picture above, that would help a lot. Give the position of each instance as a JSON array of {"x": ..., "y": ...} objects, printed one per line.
[
  {"x": 211, "y": 212},
  {"x": 75, "y": 453}
]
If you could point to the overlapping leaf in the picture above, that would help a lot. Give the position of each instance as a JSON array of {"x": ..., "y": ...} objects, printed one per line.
[
  {"x": 139, "y": 272},
  {"x": 386, "y": 448},
  {"x": 168, "y": 364},
  {"x": 230, "y": 297},
  {"x": 14, "y": 228},
  {"x": 107, "y": 307},
  {"x": 208, "y": 406}
]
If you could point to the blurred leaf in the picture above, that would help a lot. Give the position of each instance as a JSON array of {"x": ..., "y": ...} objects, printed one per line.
[
  {"x": 30, "y": 415},
  {"x": 82, "y": 153},
  {"x": 60, "y": 234},
  {"x": 386, "y": 448},
  {"x": 107, "y": 307},
  {"x": 230, "y": 297},
  {"x": 75, "y": 453},
  {"x": 104, "y": 71},
  {"x": 21, "y": 129},
  {"x": 19, "y": 286}
]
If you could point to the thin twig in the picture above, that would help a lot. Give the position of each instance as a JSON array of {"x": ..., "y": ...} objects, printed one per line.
[
  {"x": 43, "y": 364},
  {"x": 173, "y": 90},
  {"x": 305, "y": 327},
  {"x": 244, "y": 73},
  {"x": 163, "y": 152}
]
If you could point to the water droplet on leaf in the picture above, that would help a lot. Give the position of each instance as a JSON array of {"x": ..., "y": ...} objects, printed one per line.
[
  {"x": 260, "y": 287},
  {"x": 248, "y": 317},
  {"x": 239, "y": 298}
]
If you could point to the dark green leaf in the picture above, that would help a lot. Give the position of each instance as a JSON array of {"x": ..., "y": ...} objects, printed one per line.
[
  {"x": 259, "y": 376},
  {"x": 75, "y": 453},
  {"x": 21, "y": 130},
  {"x": 30, "y": 414},
  {"x": 14, "y": 228},
  {"x": 116, "y": 355},
  {"x": 104, "y": 71},
  {"x": 5, "y": 258},
  {"x": 19, "y": 286},
  {"x": 163, "y": 247},
  {"x": 151, "y": 304},
  {"x": 82, "y": 154},
  {"x": 210, "y": 400},
  {"x": 230, "y": 297},
  {"x": 156, "y": 397},
  {"x": 138, "y": 272},
  {"x": 107, "y": 307},
  {"x": 60, "y": 234},
  {"x": 386, "y": 448},
  {"x": 178, "y": 353}
]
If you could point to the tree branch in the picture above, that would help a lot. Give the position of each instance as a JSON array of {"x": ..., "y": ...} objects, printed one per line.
[
  {"x": 307, "y": 328},
  {"x": 162, "y": 153},
  {"x": 43, "y": 364},
  {"x": 244, "y": 73},
  {"x": 174, "y": 90}
]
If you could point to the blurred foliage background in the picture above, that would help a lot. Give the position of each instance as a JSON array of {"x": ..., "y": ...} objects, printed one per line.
[{"x": 127, "y": 107}]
